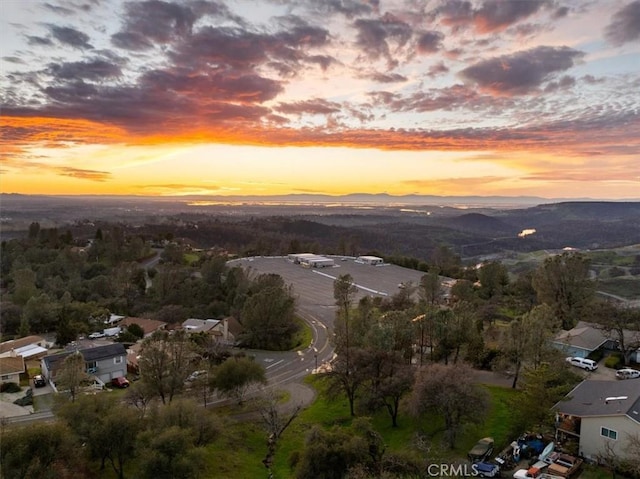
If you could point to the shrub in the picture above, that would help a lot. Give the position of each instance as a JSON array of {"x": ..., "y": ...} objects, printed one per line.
[
  {"x": 26, "y": 400},
  {"x": 614, "y": 361},
  {"x": 596, "y": 355},
  {"x": 10, "y": 388}
]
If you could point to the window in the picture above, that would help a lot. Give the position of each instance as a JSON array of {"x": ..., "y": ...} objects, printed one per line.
[
  {"x": 610, "y": 433},
  {"x": 117, "y": 360},
  {"x": 92, "y": 367},
  {"x": 5, "y": 377}
]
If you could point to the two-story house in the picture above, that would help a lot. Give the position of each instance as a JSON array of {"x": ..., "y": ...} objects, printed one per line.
[
  {"x": 102, "y": 362},
  {"x": 601, "y": 415}
]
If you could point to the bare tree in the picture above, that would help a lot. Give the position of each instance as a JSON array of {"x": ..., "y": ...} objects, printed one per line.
[
  {"x": 344, "y": 291},
  {"x": 275, "y": 422}
]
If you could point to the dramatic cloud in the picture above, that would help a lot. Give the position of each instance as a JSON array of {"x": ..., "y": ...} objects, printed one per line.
[
  {"x": 625, "y": 24},
  {"x": 387, "y": 77},
  {"x": 521, "y": 72},
  {"x": 38, "y": 41},
  {"x": 491, "y": 16},
  {"x": 455, "y": 13},
  {"x": 91, "y": 70},
  {"x": 496, "y": 15},
  {"x": 131, "y": 41},
  {"x": 158, "y": 21},
  {"x": 429, "y": 42},
  {"x": 70, "y": 36},
  {"x": 376, "y": 37},
  {"x": 83, "y": 174},
  {"x": 468, "y": 78},
  {"x": 313, "y": 107}
]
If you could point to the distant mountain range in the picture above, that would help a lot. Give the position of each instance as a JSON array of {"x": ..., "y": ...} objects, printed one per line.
[{"x": 377, "y": 199}]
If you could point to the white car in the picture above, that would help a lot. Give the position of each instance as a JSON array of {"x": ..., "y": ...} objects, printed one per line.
[
  {"x": 584, "y": 363},
  {"x": 96, "y": 335},
  {"x": 627, "y": 373}
]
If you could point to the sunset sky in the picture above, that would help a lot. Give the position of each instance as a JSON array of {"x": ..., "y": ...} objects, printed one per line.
[{"x": 263, "y": 97}]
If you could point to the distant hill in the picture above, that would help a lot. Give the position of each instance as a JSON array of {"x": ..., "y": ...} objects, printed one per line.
[
  {"x": 394, "y": 226},
  {"x": 479, "y": 223}
]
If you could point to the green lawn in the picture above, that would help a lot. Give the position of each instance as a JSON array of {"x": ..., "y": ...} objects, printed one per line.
[
  {"x": 244, "y": 446},
  {"x": 304, "y": 337}
]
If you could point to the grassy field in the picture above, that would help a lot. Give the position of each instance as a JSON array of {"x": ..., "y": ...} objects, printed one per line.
[
  {"x": 628, "y": 287},
  {"x": 240, "y": 452}
]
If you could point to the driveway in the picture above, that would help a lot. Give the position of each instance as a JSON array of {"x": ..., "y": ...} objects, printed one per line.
[{"x": 8, "y": 409}]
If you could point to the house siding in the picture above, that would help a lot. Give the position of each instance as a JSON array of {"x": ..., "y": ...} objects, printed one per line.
[
  {"x": 107, "y": 369},
  {"x": 592, "y": 443},
  {"x": 10, "y": 378}
]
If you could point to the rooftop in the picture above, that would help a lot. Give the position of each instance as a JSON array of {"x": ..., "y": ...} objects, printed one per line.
[
  {"x": 603, "y": 398},
  {"x": 584, "y": 336},
  {"x": 21, "y": 342}
]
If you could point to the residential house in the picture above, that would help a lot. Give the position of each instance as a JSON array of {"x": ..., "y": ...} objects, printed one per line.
[
  {"x": 218, "y": 328},
  {"x": 149, "y": 326},
  {"x": 586, "y": 338},
  {"x": 102, "y": 362},
  {"x": 10, "y": 369},
  {"x": 29, "y": 347},
  {"x": 600, "y": 415},
  {"x": 582, "y": 340}
]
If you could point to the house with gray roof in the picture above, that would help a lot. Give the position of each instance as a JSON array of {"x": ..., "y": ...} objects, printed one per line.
[
  {"x": 218, "y": 328},
  {"x": 582, "y": 340},
  {"x": 601, "y": 416},
  {"x": 101, "y": 362}
]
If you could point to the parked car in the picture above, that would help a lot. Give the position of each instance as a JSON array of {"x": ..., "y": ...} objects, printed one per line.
[
  {"x": 120, "y": 382},
  {"x": 96, "y": 335},
  {"x": 39, "y": 381},
  {"x": 584, "y": 363},
  {"x": 533, "y": 473},
  {"x": 482, "y": 450},
  {"x": 486, "y": 469},
  {"x": 627, "y": 373}
]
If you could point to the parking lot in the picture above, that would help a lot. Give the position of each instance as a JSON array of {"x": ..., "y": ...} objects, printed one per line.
[{"x": 313, "y": 287}]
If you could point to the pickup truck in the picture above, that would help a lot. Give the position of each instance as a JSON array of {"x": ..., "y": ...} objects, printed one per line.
[
  {"x": 534, "y": 473},
  {"x": 563, "y": 465}
]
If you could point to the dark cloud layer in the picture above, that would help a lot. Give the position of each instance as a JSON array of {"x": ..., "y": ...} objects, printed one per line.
[
  {"x": 625, "y": 24},
  {"x": 521, "y": 72}
]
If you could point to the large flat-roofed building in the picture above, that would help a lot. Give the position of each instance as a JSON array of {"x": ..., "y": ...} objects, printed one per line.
[
  {"x": 319, "y": 262},
  {"x": 372, "y": 260},
  {"x": 298, "y": 257},
  {"x": 311, "y": 260}
]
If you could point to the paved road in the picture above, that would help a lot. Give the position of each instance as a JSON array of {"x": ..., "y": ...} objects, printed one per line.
[{"x": 316, "y": 305}]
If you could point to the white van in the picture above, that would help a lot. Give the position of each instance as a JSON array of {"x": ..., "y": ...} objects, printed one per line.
[{"x": 584, "y": 363}]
